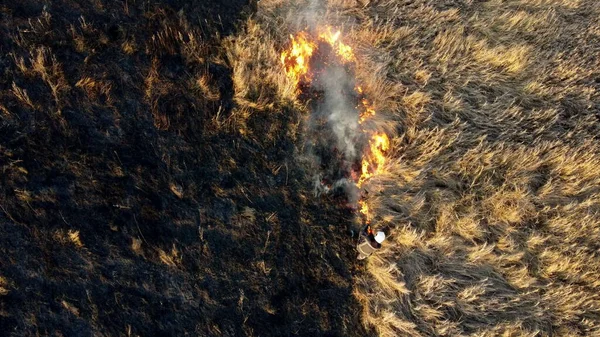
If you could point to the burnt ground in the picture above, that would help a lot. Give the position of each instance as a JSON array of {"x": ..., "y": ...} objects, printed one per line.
[{"x": 125, "y": 211}]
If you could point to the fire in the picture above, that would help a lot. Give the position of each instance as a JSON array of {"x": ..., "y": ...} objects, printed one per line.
[
  {"x": 345, "y": 52},
  {"x": 368, "y": 111},
  {"x": 296, "y": 61},
  {"x": 296, "y": 58},
  {"x": 329, "y": 36},
  {"x": 374, "y": 160},
  {"x": 364, "y": 209},
  {"x": 341, "y": 49},
  {"x": 379, "y": 145}
]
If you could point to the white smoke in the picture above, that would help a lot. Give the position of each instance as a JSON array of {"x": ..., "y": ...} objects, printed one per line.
[
  {"x": 334, "y": 135},
  {"x": 342, "y": 115},
  {"x": 311, "y": 15},
  {"x": 351, "y": 190}
]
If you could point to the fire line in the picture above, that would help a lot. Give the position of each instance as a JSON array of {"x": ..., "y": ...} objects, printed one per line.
[{"x": 297, "y": 64}]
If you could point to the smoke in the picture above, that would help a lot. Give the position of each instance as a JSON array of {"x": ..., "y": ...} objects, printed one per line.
[
  {"x": 311, "y": 15},
  {"x": 308, "y": 15},
  {"x": 334, "y": 140},
  {"x": 342, "y": 115}
]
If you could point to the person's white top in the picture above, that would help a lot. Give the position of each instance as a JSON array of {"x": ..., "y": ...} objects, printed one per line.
[{"x": 380, "y": 237}]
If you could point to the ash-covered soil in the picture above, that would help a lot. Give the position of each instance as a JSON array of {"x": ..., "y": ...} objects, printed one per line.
[{"x": 127, "y": 211}]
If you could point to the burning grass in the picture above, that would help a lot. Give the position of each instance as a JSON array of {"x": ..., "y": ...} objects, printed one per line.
[
  {"x": 312, "y": 57},
  {"x": 148, "y": 184},
  {"x": 489, "y": 190},
  {"x": 176, "y": 197}
]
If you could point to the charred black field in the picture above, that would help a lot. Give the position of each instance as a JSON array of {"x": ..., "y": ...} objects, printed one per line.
[
  {"x": 132, "y": 204},
  {"x": 192, "y": 168}
]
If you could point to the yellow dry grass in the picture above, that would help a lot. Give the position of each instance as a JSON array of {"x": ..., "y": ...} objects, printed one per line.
[{"x": 491, "y": 195}]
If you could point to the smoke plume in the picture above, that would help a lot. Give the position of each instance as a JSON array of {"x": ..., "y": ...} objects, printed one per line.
[
  {"x": 336, "y": 142},
  {"x": 335, "y": 134}
]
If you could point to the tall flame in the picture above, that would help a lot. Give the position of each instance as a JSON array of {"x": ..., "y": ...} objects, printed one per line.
[
  {"x": 295, "y": 60},
  {"x": 374, "y": 160},
  {"x": 364, "y": 209}
]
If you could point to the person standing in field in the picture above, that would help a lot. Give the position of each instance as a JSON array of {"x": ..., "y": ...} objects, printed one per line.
[{"x": 368, "y": 242}]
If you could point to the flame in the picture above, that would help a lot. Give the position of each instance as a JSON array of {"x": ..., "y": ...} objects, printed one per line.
[
  {"x": 295, "y": 60},
  {"x": 375, "y": 159},
  {"x": 368, "y": 111},
  {"x": 329, "y": 36},
  {"x": 364, "y": 209},
  {"x": 345, "y": 52},
  {"x": 379, "y": 145},
  {"x": 341, "y": 49},
  {"x": 365, "y": 174}
]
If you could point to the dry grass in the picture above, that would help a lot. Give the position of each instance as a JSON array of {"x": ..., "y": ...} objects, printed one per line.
[
  {"x": 44, "y": 65},
  {"x": 255, "y": 61},
  {"x": 4, "y": 286},
  {"x": 172, "y": 258},
  {"x": 491, "y": 197}
]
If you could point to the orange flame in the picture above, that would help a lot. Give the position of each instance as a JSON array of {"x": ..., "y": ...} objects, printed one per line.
[
  {"x": 295, "y": 60},
  {"x": 380, "y": 143},
  {"x": 341, "y": 49},
  {"x": 375, "y": 159},
  {"x": 364, "y": 209},
  {"x": 368, "y": 109}
]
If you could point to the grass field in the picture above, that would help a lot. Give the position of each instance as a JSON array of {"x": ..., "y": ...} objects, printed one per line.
[
  {"x": 154, "y": 179},
  {"x": 491, "y": 193}
]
